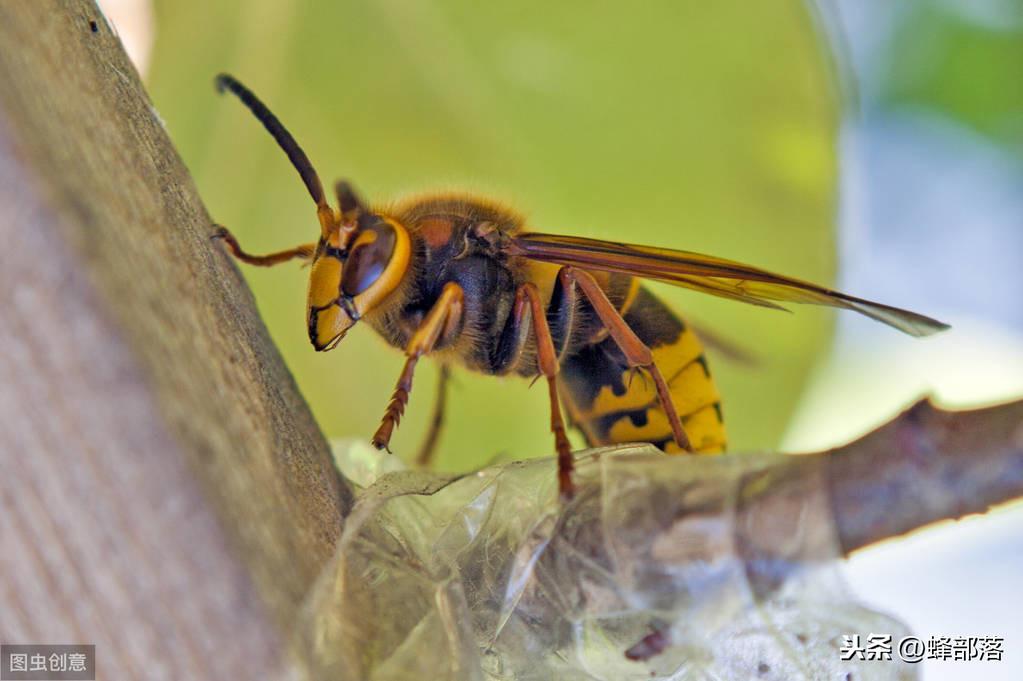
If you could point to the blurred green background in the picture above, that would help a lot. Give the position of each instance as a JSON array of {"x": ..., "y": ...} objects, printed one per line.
[{"x": 638, "y": 122}]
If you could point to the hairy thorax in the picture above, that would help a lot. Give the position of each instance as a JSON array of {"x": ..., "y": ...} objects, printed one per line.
[
  {"x": 456, "y": 239},
  {"x": 465, "y": 240}
]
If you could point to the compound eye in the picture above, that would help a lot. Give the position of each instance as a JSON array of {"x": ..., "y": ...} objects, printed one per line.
[{"x": 368, "y": 258}]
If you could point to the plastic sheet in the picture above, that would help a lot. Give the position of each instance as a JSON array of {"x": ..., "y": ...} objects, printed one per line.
[{"x": 487, "y": 576}]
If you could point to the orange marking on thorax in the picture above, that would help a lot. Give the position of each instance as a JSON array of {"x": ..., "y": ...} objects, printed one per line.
[{"x": 436, "y": 232}]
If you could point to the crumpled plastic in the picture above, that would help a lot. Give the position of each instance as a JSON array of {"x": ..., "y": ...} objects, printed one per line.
[{"x": 652, "y": 571}]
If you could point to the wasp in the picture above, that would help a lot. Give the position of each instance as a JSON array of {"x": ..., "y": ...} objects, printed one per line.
[{"x": 463, "y": 280}]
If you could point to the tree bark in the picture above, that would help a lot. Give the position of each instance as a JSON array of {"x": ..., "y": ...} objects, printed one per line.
[
  {"x": 924, "y": 466},
  {"x": 150, "y": 431}
]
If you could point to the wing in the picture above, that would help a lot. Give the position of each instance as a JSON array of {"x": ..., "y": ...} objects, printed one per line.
[{"x": 709, "y": 274}]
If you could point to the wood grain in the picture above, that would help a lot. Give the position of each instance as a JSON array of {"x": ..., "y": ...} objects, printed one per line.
[{"x": 152, "y": 442}]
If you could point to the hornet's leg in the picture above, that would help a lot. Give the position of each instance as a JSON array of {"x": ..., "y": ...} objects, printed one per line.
[
  {"x": 528, "y": 313},
  {"x": 636, "y": 352},
  {"x": 547, "y": 361},
  {"x": 305, "y": 251},
  {"x": 441, "y": 322},
  {"x": 429, "y": 446}
]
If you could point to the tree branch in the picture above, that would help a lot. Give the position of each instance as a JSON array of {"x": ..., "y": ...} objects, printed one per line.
[{"x": 924, "y": 466}]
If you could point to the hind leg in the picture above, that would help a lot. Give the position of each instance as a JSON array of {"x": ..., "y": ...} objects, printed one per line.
[{"x": 637, "y": 353}]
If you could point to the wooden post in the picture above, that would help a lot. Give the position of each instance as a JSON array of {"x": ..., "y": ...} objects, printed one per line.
[{"x": 154, "y": 449}]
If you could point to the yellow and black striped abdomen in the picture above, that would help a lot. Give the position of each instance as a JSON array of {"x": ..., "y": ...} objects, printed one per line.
[{"x": 611, "y": 405}]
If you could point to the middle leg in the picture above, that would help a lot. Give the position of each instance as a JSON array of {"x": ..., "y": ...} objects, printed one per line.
[
  {"x": 547, "y": 362},
  {"x": 429, "y": 446}
]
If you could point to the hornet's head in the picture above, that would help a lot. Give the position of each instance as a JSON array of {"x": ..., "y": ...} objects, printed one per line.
[
  {"x": 361, "y": 256},
  {"x": 354, "y": 269}
]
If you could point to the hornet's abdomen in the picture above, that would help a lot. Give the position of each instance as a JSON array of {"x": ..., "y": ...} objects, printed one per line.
[{"x": 610, "y": 405}]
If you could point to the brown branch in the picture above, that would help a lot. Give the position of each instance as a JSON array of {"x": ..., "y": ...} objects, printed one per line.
[{"x": 924, "y": 466}]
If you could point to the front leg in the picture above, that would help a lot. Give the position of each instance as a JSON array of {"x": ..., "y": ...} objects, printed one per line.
[
  {"x": 442, "y": 322},
  {"x": 305, "y": 251}
]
